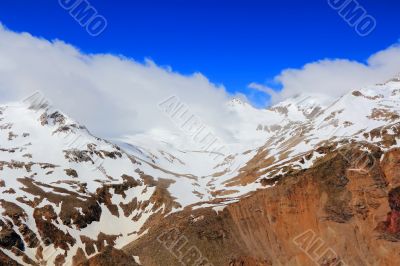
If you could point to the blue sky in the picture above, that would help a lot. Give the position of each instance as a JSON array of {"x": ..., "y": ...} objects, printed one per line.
[{"x": 231, "y": 42}]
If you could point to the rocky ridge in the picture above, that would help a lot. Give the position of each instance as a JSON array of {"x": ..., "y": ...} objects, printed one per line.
[{"x": 322, "y": 187}]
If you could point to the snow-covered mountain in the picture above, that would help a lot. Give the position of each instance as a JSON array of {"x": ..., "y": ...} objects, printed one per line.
[{"x": 67, "y": 195}]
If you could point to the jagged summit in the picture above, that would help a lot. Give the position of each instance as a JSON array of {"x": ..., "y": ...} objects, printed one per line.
[{"x": 237, "y": 101}]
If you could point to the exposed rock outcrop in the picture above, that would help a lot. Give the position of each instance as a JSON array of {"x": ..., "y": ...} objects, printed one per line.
[{"x": 335, "y": 213}]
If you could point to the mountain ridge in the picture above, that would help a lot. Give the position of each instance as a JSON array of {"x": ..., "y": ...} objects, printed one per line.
[{"x": 69, "y": 197}]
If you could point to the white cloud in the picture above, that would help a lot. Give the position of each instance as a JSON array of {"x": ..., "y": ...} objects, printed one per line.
[
  {"x": 263, "y": 88},
  {"x": 111, "y": 95},
  {"x": 334, "y": 77},
  {"x": 114, "y": 95}
]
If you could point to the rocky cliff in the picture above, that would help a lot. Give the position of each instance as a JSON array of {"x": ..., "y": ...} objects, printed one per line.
[{"x": 335, "y": 213}]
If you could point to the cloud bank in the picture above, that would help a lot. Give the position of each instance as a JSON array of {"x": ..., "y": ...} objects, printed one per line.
[
  {"x": 331, "y": 78},
  {"x": 111, "y": 95},
  {"x": 115, "y": 96}
]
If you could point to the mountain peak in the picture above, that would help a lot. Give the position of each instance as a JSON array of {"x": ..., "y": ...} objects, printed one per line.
[{"x": 237, "y": 102}]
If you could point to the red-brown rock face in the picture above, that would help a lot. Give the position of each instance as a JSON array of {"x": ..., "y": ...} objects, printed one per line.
[
  {"x": 335, "y": 213},
  {"x": 394, "y": 215}
]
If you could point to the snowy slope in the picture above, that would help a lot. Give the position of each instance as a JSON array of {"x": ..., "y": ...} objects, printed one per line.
[
  {"x": 60, "y": 183},
  {"x": 269, "y": 142},
  {"x": 48, "y": 160}
]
